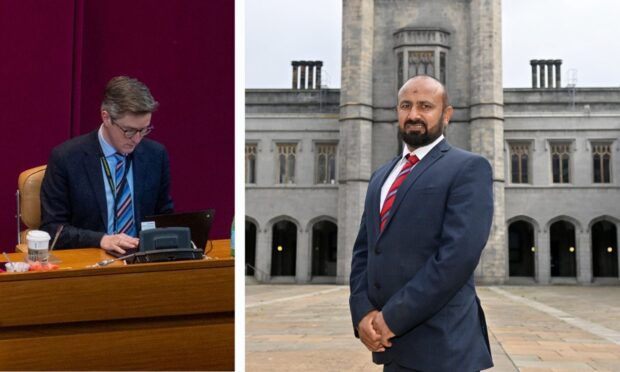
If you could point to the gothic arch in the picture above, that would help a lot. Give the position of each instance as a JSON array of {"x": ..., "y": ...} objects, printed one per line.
[
  {"x": 283, "y": 217},
  {"x": 522, "y": 217},
  {"x": 284, "y": 235},
  {"x": 320, "y": 218},
  {"x": 563, "y": 246},
  {"x": 607, "y": 218},
  {"x": 604, "y": 244},
  {"x": 252, "y": 229},
  {"x": 521, "y": 246},
  {"x": 323, "y": 246},
  {"x": 566, "y": 218}
]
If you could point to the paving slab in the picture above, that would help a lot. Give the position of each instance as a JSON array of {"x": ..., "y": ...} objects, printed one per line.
[{"x": 531, "y": 328}]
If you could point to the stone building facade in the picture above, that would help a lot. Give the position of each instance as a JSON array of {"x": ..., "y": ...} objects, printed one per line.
[{"x": 310, "y": 151}]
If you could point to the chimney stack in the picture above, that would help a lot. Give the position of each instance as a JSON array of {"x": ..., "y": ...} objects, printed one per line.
[
  {"x": 543, "y": 72},
  {"x": 311, "y": 69}
]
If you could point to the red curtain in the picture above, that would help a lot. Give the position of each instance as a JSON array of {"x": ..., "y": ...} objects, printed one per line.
[{"x": 58, "y": 56}]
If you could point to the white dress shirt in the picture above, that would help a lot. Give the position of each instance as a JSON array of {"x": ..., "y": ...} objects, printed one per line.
[{"x": 420, "y": 152}]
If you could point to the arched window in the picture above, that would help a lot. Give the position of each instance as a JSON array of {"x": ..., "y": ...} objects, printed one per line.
[
  {"x": 604, "y": 249},
  {"x": 324, "y": 248},
  {"x": 563, "y": 250},
  {"x": 521, "y": 249},
  {"x": 283, "y": 249}
]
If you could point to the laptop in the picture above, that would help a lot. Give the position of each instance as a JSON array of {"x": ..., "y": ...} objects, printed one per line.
[{"x": 199, "y": 224}]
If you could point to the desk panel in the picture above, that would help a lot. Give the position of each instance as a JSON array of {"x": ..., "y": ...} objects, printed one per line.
[{"x": 159, "y": 316}]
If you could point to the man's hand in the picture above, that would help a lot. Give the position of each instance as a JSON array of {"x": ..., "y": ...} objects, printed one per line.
[
  {"x": 368, "y": 335},
  {"x": 118, "y": 243},
  {"x": 381, "y": 328}
]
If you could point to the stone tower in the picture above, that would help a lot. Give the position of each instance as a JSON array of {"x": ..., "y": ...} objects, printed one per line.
[{"x": 386, "y": 42}]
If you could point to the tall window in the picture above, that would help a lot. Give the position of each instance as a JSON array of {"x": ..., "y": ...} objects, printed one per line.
[
  {"x": 287, "y": 153},
  {"x": 560, "y": 160},
  {"x": 326, "y": 163},
  {"x": 601, "y": 158},
  {"x": 421, "y": 51},
  {"x": 421, "y": 63},
  {"x": 519, "y": 162},
  {"x": 250, "y": 163}
]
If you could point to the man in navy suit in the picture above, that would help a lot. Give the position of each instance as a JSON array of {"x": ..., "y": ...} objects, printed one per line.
[
  {"x": 427, "y": 217},
  {"x": 100, "y": 185}
]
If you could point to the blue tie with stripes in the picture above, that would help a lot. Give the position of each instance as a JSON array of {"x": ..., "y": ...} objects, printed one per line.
[{"x": 124, "y": 204}]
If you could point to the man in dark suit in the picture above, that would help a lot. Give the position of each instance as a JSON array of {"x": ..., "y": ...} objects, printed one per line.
[
  {"x": 99, "y": 186},
  {"x": 427, "y": 217}
]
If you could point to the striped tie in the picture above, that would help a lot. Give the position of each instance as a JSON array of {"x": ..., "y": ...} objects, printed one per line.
[
  {"x": 391, "y": 195},
  {"x": 124, "y": 204}
]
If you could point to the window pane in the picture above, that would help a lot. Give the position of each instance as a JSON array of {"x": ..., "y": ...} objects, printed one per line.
[
  {"x": 565, "y": 178},
  {"x": 252, "y": 178},
  {"x": 321, "y": 169},
  {"x": 606, "y": 169},
  {"x": 596, "y": 166},
  {"x": 332, "y": 168},
  {"x": 291, "y": 168},
  {"x": 524, "y": 172},
  {"x": 515, "y": 168},
  {"x": 555, "y": 163},
  {"x": 282, "y": 178}
]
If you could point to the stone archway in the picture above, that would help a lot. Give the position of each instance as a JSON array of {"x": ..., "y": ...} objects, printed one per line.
[
  {"x": 283, "y": 248},
  {"x": 604, "y": 249},
  {"x": 563, "y": 250}
]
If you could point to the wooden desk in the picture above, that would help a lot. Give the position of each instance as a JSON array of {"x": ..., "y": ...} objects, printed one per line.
[{"x": 159, "y": 316}]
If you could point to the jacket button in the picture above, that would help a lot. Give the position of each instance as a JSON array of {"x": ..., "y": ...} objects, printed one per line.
[
  {"x": 377, "y": 286},
  {"x": 377, "y": 251}
]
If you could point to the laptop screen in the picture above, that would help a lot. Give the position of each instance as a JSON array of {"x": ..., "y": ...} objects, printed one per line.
[{"x": 199, "y": 224}]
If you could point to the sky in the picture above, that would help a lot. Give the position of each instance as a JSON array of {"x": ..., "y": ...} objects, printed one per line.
[{"x": 583, "y": 33}]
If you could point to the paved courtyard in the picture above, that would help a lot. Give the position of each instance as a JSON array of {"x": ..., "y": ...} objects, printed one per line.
[{"x": 532, "y": 328}]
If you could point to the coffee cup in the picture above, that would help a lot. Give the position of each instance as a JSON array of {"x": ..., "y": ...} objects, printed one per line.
[{"x": 38, "y": 245}]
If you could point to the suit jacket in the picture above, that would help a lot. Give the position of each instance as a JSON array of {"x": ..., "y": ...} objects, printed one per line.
[
  {"x": 73, "y": 191},
  {"x": 419, "y": 270}
]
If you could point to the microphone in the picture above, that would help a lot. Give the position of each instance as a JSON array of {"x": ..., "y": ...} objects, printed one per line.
[{"x": 111, "y": 260}]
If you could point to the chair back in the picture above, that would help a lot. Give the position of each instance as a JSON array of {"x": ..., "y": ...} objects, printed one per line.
[{"x": 29, "y": 197}]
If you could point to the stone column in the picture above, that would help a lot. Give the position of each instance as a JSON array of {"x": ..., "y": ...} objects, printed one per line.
[
  {"x": 302, "y": 274},
  {"x": 584, "y": 257},
  {"x": 295, "y": 68},
  {"x": 549, "y": 64},
  {"x": 543, "y": 258},
  {"x": 263, "y": 255},
  {"x": 311, "y": 75},
  {"x": 319, "y": 64},
  {"x": 487, "y": 124},
  {"x": 542, "y": 79},
  {"x": 355, "y": 157},
  {"x": 558, "y": 73},
  {"x": 302, "y": 80},
  {"x": 534, "y": 64}
]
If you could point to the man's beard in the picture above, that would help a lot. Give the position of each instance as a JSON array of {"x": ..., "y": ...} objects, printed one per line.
[{"x": 415, "y": 139}]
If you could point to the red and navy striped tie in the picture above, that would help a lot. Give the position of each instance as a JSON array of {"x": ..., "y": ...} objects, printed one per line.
[
  {"x": 124, "y": 204},
  {"x": 391, "y": 195}
]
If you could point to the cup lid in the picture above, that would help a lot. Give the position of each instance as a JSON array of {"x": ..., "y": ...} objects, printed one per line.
[{"x": 38, "y": 235}]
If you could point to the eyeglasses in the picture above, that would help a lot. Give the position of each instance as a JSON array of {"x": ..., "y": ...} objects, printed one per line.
[{"x": 130, "y": 133}]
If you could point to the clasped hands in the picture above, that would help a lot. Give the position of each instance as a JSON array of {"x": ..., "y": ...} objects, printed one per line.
[{"x": 374, "y": 332}]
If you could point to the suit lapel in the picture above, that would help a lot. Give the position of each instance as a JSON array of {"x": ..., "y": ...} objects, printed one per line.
[
  {"x": 382, "y": 175},
  {"x": 435, "y": 154},
  {"x": 92, "y": 167}
]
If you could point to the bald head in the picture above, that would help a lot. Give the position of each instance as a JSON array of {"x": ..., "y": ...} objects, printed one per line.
[{"x": 425, "y": 82}]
